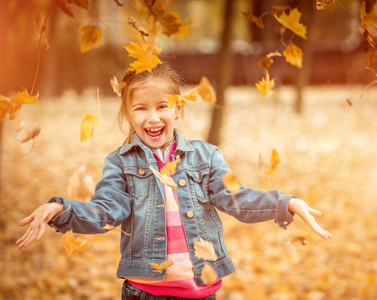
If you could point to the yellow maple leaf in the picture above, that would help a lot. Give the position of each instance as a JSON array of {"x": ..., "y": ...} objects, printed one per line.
[
  {"x": 12, "y": 106},
  {"x": 293, "y": 55},
  {"x": 292, "y": 22},
  {"x": 231, "y": 183},
  {"x": 170, "y": 167},
  {"x": 90, "y": 36},
  {"x": 72, "y": 244},
  {"x": 274, "y": 162},
  {"x": 90, "y": 123},
  {"x": 265, "y": 86},
  {"x": 5, "y": 107},
  {"x": 164, "y": 265},
  {"x": 143, "y": 62},
  {"x": 164, "y": 178},
  {"x": 180, "y": 99},
  {"x": 173, "y": 24},
  {"x": 209, "y": 274},
  {"x": 117, "y": 86}
]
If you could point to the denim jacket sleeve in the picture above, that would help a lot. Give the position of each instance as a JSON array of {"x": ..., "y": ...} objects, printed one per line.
[
  {"x": 111, "y": 204},
  {"x": 254, "y": 205}
]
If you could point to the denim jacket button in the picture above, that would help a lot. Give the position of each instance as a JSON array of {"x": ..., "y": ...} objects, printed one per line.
[
  {"x": 182, "y": 182},
  {"x": 190, "y": 214},
  {"x": 141, "y": 172}
]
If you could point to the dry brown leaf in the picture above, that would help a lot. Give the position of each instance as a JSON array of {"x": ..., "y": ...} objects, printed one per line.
[
  {"x": 275, "y": 163},
  {"x": 254, "y": 19},
  {"x": 111, "y": 227},
  {"x": 72, "y": 244},
  {"x": 25, "y": 134},
  {"x": 136, "y": 24},
  {"x": 164, "y": 178},
  {"x": 162, "y": 266},
  {"x": 209, "y": 274},
  {"x": 118, "y": 3},
  {"x": 320, "y": 4},
  {"x": 117, "y": 87},
  {"x": 62, "y": 4},
  {"x": 204, "y": 250},
  {"x": 80, "y": 185}
]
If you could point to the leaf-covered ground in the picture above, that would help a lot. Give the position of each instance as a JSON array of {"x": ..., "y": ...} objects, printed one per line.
[{"x": 327, "y": 158}]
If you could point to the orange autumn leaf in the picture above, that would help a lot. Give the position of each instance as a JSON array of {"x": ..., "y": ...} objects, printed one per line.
[
  {"x": 206, "y": 91},
  {"x": 180, "y": 99},
  {"x": 80, "y": 185},
  {"x": 265, "y": 86},
  {"x": 90, "y": 123},
  {"x": 254, "y": 19},
  {"x": 267, "y": 61},
  {"x": 62, "y": 4},
  {"x": 143, "y": 62},
  {"x": 170, "y": 167},
  {"x": 90, "y": 36},
  {"x": 274, "y": 163},
  {"x": 72, "y": 244},
  {"x": 292, "y": 22},
  {"x": 320, "y": 4},
  {"x": 163, "y": 265},
  {"x": 209, "y": 274},
  {"x": 293, "y": 55},
  {"x": 164, "y": 178},
  {"x": 204, "y": 250},
  {"x": 231, "y": 183}
]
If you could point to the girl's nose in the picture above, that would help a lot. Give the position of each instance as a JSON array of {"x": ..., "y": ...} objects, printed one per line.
[{"x": 154, "y": 117}]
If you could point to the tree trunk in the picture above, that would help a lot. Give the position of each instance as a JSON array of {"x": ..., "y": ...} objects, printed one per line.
[{"x": 224, "y": 72}]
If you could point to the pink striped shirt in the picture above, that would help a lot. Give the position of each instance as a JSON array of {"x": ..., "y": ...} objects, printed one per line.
[{"x": 179, "y": 280}]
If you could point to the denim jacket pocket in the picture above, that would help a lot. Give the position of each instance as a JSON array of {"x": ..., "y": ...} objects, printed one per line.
[
  {"x": 199, "y": 183},
  {"x": 138, "y": 181}
]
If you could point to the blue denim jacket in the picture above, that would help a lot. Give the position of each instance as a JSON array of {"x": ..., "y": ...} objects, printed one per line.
[{"x": 130, "y": 196}]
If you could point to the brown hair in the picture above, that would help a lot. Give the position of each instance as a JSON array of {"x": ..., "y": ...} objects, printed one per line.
[{"x": 162, "y": 75}]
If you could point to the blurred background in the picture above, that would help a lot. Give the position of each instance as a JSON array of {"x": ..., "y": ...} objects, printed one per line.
[{"x": 320, "y": 119}]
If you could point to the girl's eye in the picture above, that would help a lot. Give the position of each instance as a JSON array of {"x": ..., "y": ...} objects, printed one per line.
[
  {"x": 163, "y": 106},
  {"x": 139, "y": 108}
]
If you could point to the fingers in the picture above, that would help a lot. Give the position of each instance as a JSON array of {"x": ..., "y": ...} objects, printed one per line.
[
  {"x": 27, "y": 220},
  {"x": 34, "y": 233},
  {"x": 310, "y": 220},
  {"x": 314, "y": 212}
]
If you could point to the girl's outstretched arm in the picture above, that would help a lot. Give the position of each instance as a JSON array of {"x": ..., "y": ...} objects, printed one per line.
[
  {"x": 38, "y": 221},
  {"x": 299, "y": 207}
]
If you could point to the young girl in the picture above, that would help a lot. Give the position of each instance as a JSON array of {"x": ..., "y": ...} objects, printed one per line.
[{"x": 162, "y": 226}]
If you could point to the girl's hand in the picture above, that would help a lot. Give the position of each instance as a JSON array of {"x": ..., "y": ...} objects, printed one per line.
[
  {"x": 299, "y": 207},
  {"x": 38, "y": 219}
]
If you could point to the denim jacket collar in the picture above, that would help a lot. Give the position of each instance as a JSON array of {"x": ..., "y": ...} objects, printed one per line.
[{"x": 182, "y": 144}]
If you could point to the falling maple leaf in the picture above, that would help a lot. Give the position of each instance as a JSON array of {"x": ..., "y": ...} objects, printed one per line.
[
  {"x": 205, "y": 90},
  {"x": 25, "y": 134},
  {"x": 204, "y": 250},
  {"x": 142, "y": 63},
  {"x": 90, "y": 36},
  {"x": 293, "y": 55},
  {"x": 136, "y": 24},
  {"x": 164, "y": 265},
  {"x": 117, "y": 87},
  {"x": 265, "y": 86},
  {"x": 90, "y": 123},
  {"x": 170, "y": 167},
  {"x": 62, "y": 4},
  {"x": 274, "y": 162},
  {"x": 230, "y": 182},
  {"x": 208, "y": 274},
  {"x": 164, "y": 178},
  {"x": 320, "y": 4},
  {"x": 80, "y": 185},
  {"x": 180, "y": 99},
  {"x": 72, "y": 244},
  {"x": 292, "y": 22}
]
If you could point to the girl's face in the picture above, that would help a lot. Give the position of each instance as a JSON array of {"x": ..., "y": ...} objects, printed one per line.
[{"x": 150, "y": 116}]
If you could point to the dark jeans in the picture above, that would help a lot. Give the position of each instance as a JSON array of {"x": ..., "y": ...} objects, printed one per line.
[{"x": 129, "y": 292}]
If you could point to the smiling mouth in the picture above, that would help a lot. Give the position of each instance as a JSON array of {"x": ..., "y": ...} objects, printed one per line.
[{"x": 154, "y": 132}]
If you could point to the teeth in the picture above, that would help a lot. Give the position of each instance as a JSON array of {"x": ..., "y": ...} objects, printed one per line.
[{"x": 155, "y": 129}]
